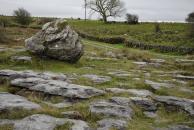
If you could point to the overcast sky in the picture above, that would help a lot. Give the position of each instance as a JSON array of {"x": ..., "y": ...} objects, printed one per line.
[{"x": 148, "y": 10}]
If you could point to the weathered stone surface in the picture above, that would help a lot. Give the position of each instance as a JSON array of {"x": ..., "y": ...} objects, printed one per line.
[
  {"x": 107, "y": 124},
  {"x": 72, "y": 114},
  {"x": 186, "y": 105},
  {"x": 26, "y": 59},
  {"x": 145, "y": 103},
  {"x": 45, "y": 122},
  {"x": 136, "y": 92},
  {"x": 97, "y": 79},
  {"x": 182, "y": 77},
  {"x": 11, "y": 74},
  {"x": 157, "y": 86},
  {"x": 110, "y": 54},
  {"x": 176, "y": 127},
  {"x": 9, "y": 102},
  {"x": 158, "y": 60},
  {"x": 56, "y": 40},
  {"x": 109, "y": 108},
  {"x": 57, "y": 87}
]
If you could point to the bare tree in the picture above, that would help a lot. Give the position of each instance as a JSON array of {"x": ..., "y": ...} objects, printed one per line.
[{"x": 106, "y": 8}]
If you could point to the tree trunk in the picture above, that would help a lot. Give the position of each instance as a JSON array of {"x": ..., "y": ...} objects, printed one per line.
[{"x": 104, "y": 18}]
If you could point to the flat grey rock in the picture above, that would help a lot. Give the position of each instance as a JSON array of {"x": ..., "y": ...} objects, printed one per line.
[
  {"x": 136, "y": 92},
  {"x": 158, "y": 60},
  {"x": 9, "y": 102},
  {"x": 158, "y": 86},
  {"x": 144, "y": 103},
  {"x": 56, "y": 40},
  {"x": 120, "y": 74},
  {"x": 57, "y": 87},
  {"x": 186, "y": 105},
  {"x": 97, "y": 78},
  {"x": 176, "y": 127},
  {"x": 45, "y": 122},
  {"x": 183, "y": 77},
  {"x": 12, "y": 74},
  {"x": 107, "y": 124},
  {"x": 26, "y": 59},
  {"x": 108, "y": 108}
]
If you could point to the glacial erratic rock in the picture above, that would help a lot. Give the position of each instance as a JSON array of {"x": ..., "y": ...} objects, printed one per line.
[
  {"x": 10, "y": 102},
  {"x": 56, "y": 40}
]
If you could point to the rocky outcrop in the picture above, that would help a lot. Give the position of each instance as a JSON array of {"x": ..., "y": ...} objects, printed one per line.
[
  {"x": 10, "y": 102},
  {"x": 50, "y": 83},
  {"x": 56, "y": 40},
  {"x": 170, "y": 102},
  {"x": 44, "y": 122}
]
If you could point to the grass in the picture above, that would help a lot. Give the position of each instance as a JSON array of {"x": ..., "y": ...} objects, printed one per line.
[{"x": 174, "y": 34}]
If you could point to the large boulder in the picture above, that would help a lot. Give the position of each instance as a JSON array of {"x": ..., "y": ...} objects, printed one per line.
[{"x": 56, "y": 40}]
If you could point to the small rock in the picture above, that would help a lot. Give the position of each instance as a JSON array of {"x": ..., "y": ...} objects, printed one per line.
[
  {"x": 157, "y": 86},
  {"x": 9, "y": 102},
  {"x": 72, "y": 115},
  {"x": 182, "y": 77},
  {"x": 107, "y": 124},
  {"x": 136, "y": 92},
  {"x": 176, "y": 127},
  {"x": 110, "y": 54},
  {"x": 21, "y": 59},
  {"x": 120, "y": 74},
  {"x": 150, "y": 114},
  {"x": 60, "y": 105},
  {"x": 108, "y": 108},
  {"x": 186, "y": 105},
  {"x": 97, "y": 79},
  {"x": 145, "y": 103}
]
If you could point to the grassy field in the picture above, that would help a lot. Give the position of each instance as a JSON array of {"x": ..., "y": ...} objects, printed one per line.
[
  {"x": 172, "y": 34},
  {"x": 100, "y": 67}
]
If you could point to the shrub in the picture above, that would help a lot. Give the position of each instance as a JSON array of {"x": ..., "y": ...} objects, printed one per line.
[
  {"x": 3, "y": 37},
  {"x": 132, "y": 19},
  {"x": 190, "y": 19},
  {"x": 22, "y": 16},
  {"x": 157, "y": 28},
  {"x": 4, "y": 21}
]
